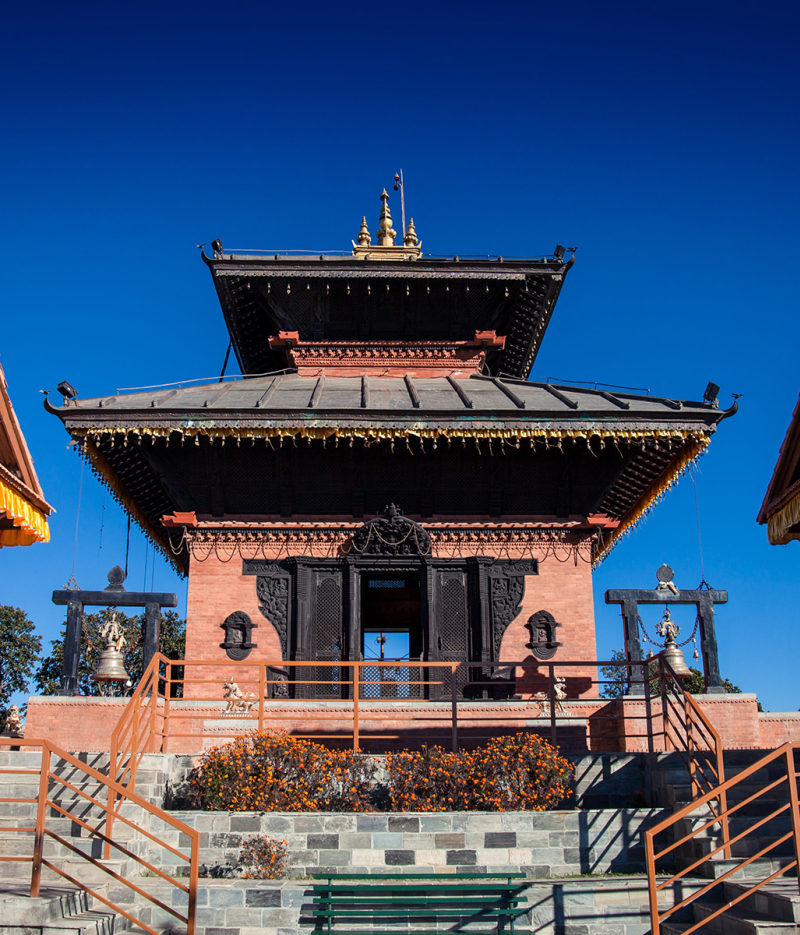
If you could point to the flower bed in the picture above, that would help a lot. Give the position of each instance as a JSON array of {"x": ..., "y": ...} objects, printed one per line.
[{"x": 271, "y": 771}]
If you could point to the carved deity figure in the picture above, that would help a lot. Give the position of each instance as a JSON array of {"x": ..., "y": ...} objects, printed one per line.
[
  {"x": 111, "y": 632},
  {"x": 238, "y": 701},
  {"x": 13, "y": 721}
]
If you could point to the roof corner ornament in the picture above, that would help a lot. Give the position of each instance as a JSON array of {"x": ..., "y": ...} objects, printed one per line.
[{"x": 386, "y": 233}]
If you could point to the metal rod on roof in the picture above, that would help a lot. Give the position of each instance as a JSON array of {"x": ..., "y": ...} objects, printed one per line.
[{"x": 398, "y": 183}]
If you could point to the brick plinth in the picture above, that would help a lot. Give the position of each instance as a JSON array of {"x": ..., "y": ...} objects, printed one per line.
[{"x": 597, "y": 725}]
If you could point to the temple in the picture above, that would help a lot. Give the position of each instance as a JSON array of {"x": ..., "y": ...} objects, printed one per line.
[
  {"x": 23, "y": 508},
  {"x": 385, "y": 465}
]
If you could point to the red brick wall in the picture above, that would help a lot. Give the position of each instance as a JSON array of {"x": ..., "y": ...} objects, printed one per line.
[
  {"x": 565, "y": 590},
  {"x": 74, "y": 724}
]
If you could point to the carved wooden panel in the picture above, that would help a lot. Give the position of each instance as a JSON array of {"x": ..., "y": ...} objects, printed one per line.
[{"x": 325, "y": 637}]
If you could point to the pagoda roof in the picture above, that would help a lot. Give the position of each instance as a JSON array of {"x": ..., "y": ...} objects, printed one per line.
[
  {"x": 395, "y": 402},
  {"x": 592, "y": 451},
  {"x": 23, "y": 509},
  {"x": 342, "y": 298}
]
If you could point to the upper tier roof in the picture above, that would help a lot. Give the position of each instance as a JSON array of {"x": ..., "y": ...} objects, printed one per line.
[{"x": 352, "y": 298}]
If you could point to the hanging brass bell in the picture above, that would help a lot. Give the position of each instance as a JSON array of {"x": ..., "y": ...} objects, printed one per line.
[
  {"x": 111, "y": 667},
  {"x": 672, "y": 653}
]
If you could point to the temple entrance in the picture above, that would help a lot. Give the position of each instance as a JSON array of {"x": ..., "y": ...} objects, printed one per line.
[{"x": 391, "y": 630}]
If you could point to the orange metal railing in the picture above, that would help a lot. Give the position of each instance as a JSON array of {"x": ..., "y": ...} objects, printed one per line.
[
  {"x": 155, "y": 720},
  {"x": 719, "y": 793},
  {"x": 93, "y": 817},
  {"x": 689, "y": 733}
]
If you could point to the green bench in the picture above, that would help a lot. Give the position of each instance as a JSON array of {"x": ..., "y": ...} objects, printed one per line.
[{"x": 372, "y": 899}]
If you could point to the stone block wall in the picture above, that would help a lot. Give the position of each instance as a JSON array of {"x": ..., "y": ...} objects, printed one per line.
[
  {"x": 538, "y": 844},
  {"x": 591, "y": 906}
]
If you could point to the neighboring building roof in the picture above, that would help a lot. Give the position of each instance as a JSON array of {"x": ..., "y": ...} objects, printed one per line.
[
  {"x": 23, "y": 509},
  {"x": 586, "y": 451},
  {"x": 351, "y": 299},
  {"x": 781, "y": 507}
]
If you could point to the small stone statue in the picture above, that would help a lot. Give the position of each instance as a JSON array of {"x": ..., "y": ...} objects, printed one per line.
[
  {"x": 13, "y": 722},
  {"x": 559, "y": 691},
  {"x": 238, "y": 702}
]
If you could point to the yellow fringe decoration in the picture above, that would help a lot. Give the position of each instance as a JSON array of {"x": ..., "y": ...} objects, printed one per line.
[
  {"x": 369, "y": 433},
  {"x": 30, "y": 524},
  {"x": 779, "y": 522}
]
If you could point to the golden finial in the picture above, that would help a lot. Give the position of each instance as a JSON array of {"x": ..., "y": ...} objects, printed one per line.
[
  {"x": 363, "y": 235},
  {"x": 410, "y": 239},
  {"x": 386, "y": 234}
]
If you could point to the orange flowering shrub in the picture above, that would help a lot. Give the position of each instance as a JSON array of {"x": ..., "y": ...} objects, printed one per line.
[
  {"x": 274, "y": 772},
  {"x": 521, "y": 772},
  {"x": 270, "y": 771},
  {"x": 263, "y": 858}
]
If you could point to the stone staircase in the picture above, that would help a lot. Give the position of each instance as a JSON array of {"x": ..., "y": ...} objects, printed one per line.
[
  {"x": 587, "y": 906},
  {"x": 61, "y": 907},
  {"x": 775, "y": 908}
]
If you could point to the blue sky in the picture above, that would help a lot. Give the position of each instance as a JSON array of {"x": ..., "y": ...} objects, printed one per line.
[{"x": 659, "y": 139}]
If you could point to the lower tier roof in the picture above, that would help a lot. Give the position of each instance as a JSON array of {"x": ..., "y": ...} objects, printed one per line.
[{"x": 297, "y": 448}]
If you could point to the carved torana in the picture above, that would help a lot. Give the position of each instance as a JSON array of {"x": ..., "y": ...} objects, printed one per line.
[{"x": 392, "y": 534}]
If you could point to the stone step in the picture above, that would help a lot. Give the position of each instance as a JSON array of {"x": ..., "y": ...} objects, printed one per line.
[
  {"x": 779, "y": 899},
  {"x": 756, "y": 870},
  {"x": 738, "y": 921},
  {"x": 56, "y": 911}
]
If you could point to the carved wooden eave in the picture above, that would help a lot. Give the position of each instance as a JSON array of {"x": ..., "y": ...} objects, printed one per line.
[{"x": 600, "y": 453}]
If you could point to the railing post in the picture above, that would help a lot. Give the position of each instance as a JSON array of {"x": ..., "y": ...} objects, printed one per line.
[
  {"x": 262, "y": 691},
  {"x": 552, "y": 693},
  {"x": 41, "y": 815},
  {"x": 194, "y": 873},
  {"x": 655, "y": 921},
  {"x": 454, "y": 705},
  {"x": 691, "y": 751},
  {"x": 662, "y": 681},
  {"x": 791, "y": 779},
  {"x": 356, "y": 694},
  {"x": 648, "y": 711},
  {"x": 167, "y": 695},
  {"x": 151, "y": 744}
]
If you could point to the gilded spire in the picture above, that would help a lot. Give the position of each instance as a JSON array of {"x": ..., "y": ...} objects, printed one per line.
[
  {"x": 363, "y": 235},
  {"x": 386, "y": 234},
  {"x": 410, "y": 239}
]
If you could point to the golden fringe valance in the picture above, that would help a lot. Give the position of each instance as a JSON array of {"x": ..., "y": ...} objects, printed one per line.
[
  {"x": 370, "y": 434},
  {"x": 779, "y": 522},
  {"x": 30, "y": 524}
]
